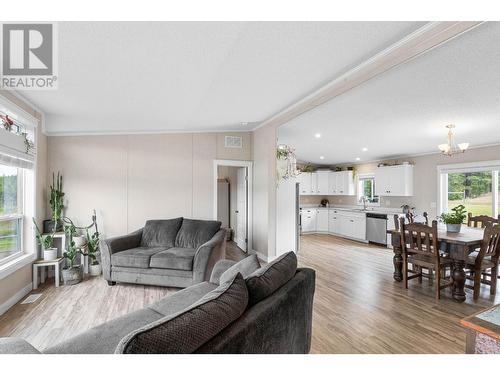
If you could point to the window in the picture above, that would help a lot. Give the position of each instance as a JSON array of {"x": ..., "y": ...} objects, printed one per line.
[
  {"x": 366, "y": 188},
  {"x": 10, "y": 211},
  {"x": 473, "y": 185}
]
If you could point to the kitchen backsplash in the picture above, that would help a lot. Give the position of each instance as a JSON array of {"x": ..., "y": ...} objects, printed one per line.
[{"x": 386, "y": 202}]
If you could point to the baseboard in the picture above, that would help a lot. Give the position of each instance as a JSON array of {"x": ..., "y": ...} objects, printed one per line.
[{"x": 15, "y": 298}]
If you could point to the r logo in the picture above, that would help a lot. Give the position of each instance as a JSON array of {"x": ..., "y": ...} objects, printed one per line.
[{"x": 27, "y": 49}]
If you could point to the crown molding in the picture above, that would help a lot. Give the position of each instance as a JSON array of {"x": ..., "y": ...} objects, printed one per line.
[{"x": 426, "y": 38}]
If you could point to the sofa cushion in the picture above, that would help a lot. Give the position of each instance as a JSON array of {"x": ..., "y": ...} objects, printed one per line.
[
  {"x": 245, "y": 266},
  {"x": 266, "y": 280},
  {"x": 160, "y": 232},
  {"x": 104, "y": 338},
  {"x": 182, "y": 299},
  {"x": 176, "y": 258},
  {"x": 138, "y": 257},
  {"x": 194, "y": 233},
  {"x": 187, "y": 330}
]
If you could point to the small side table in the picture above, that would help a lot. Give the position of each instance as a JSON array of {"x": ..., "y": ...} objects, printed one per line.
[{"x": 46, "y": 263}]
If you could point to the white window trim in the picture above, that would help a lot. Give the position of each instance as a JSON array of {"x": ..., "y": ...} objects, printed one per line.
[
  {"x": 25, "y": 257},
  {"x": 479, "y": 166},
  {"x": 362, "y": 176}
]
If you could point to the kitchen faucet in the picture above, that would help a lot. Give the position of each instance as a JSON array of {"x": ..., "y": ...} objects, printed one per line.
[{"x": 363, "y": 199}]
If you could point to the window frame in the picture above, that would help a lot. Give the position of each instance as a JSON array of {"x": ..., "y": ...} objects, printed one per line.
[
  {"x": 484, "y": 166},
  {"x": 359, "y": 190},
  {"x": 19, "y": 216}
]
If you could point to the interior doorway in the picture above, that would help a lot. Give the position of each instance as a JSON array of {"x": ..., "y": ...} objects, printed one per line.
[{"x": 232, "y": 200}]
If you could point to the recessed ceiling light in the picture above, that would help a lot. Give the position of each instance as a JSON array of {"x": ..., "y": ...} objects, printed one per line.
[
  {"x": 244, "y": 123},
  {"x": 358, "y": 159},
  {"x": 321, "y": 157},
  {"x": 365, "y": 149},
  {"x": 317, "y": 135}
]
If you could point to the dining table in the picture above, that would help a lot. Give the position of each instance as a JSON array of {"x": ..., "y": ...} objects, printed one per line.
[{"x": 458, "y": 246}]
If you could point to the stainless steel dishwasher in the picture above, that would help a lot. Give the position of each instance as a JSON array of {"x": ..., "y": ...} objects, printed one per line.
[{"x": 376, "y": 228}]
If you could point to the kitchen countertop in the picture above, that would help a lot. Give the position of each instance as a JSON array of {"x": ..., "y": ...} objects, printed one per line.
[{"x": 375, "y": 210}]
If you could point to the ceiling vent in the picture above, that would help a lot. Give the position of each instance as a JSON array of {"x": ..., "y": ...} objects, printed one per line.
[{"x": 233, "y": 142}]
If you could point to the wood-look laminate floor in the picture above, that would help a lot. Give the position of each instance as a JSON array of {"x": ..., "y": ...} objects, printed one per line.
[{"x": 358, "y": 307}]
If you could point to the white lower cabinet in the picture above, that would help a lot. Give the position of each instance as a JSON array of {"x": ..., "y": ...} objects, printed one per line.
[
  {"x": 309, "y": 220},
  {"x": 339, "y": 222},
  {"x": 322, "y": 220}
]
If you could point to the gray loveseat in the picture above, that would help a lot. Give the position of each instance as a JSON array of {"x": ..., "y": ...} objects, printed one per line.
[
  {"x": 267, "y": 311},
  {"x": 176, "y": 252}
]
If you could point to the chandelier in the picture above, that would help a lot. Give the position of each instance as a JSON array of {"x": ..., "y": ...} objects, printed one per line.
[{"x": 450, "y": 148}]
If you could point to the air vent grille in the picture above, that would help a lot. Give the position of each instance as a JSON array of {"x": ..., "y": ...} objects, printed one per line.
[{"x": 233, "y": 141}]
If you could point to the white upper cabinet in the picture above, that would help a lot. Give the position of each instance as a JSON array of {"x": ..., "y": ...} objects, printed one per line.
[
  {"x": 396, "y": 180},
  {"x": 327, "y": 183},
  {"x": 305, "y": 180},
  {"x": 341, "y": 183},
  {"x": 322, "y": 182}
]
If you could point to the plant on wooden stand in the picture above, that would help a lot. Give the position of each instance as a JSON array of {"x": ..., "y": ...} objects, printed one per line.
[
  {"x": 454, "y": 219},
  {"x": 56, "y": 200},
  {"x": 93, "y": 252},
  {"x": 72, "y": 274},
  {"x": 46, "y": 241}
]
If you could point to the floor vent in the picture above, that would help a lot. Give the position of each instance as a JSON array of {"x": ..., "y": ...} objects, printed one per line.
[{"x": 32, "y": 298}]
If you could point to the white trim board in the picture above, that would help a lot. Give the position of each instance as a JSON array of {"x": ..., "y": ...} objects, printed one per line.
[
  {"x": 238, "y": 163},
  {"x": 4, "y": 307}
]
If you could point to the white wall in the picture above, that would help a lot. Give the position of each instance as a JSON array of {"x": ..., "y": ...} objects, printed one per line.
[{"x": 132, "y": 178}]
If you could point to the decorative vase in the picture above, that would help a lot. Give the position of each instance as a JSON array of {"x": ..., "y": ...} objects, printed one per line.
[
  {"x": 72, "y": 275},
  {"x": 453, "y": 228},
  {"x": 95, "y": 269},
  {"x": 50, "y": 253}
]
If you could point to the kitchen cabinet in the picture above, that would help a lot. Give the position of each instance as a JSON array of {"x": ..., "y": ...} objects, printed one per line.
[
  {"x": 305, "y": 180},
  {"x": 334, "y": 222},
  {"x": 309, "y": 219},
  {"x": 322, "y": 179},
  {"x": 322, "y": 220},
  {"x": 396, "y": 180},
  {"x": 316, "y": 183},
  {"x": 353, "y": 225},
  {"x": 341, "y": 183}
]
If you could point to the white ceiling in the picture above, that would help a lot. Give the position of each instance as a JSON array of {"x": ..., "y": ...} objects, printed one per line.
[
  {"x": 198, "y": 76},
  {"x": 405, "y": 110}
]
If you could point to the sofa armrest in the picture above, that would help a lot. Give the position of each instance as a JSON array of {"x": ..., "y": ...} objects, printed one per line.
[
  {"x": 114, "y": 245},
  {"x": 14, "y": 345},
  {"x": 220, "y": 267},
  {"x": 207, "y": 255}
]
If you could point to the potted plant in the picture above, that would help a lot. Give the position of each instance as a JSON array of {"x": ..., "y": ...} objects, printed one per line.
[
  {"x": 407, "y": 208},
  {"x": 56, "y": 201},
  {"x": 72, "y": 273},
  {"x": 454, "y": 219},
  {"x": 93, "y": 251},
  {"x": 46, "y": 241}
]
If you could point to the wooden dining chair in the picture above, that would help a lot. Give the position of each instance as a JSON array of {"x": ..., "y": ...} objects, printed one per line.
[
  {"x": 480, "y": 221},
  {"x": 420, "y": 248},
  {"x": 486, "y": 260}
]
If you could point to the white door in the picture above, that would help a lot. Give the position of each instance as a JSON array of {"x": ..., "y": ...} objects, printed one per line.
[{"x": 240, "y": 235}]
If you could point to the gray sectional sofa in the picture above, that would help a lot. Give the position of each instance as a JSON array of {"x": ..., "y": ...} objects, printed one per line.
[
  {"x": 243, "y": 308},
  {"x": 176, "y": 252}
]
